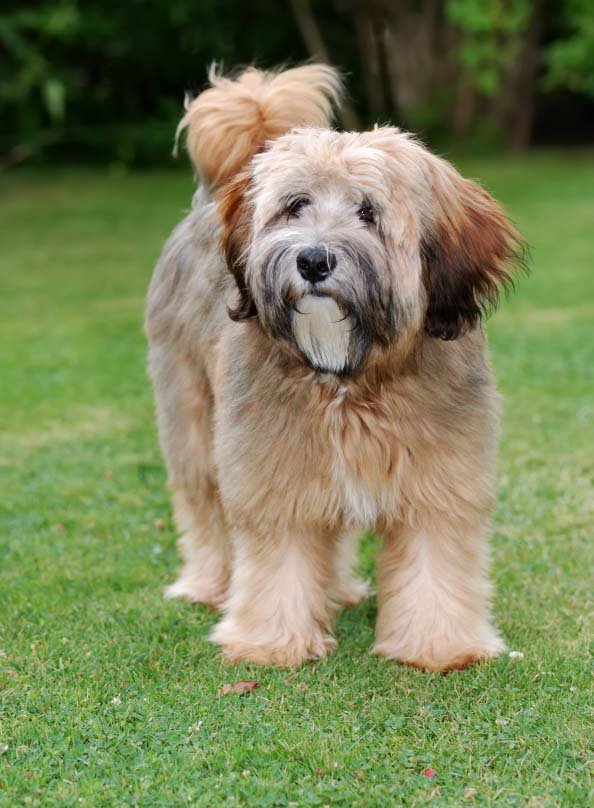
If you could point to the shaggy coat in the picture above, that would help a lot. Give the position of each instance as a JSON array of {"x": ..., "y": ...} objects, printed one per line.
[{"x": 320, "y": 368}]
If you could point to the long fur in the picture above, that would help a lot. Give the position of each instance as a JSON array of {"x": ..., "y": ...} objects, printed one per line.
[
  {"x": 315, "y": 411},
  {"x": 233, "y": 119},
  {"x": 322, "y": 332}
]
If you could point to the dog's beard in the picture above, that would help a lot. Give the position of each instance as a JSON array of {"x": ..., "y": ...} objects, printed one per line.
[{"x": 322, "y": 333}]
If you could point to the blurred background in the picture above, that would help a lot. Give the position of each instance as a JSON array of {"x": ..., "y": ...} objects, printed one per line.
[{"x": 103, "y": 81}]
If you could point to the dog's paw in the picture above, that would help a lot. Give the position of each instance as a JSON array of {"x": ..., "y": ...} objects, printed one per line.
[
  {"x": 350, "y": 592},
  {"x": 286, "y": 651},
  {"x": 195, "y": 588},
  {"x": 439, "y": 655}
]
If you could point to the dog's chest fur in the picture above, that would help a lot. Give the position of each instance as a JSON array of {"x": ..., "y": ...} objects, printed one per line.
[
  {"x": 309, "y": 450},
  {"x": 364, "y": 453},
  {"x": 295, "y": 447}
]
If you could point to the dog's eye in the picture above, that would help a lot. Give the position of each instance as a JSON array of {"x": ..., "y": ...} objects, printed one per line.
[
  {"x": 366, "y": 213},
  {"x": 296, "y": 206}
]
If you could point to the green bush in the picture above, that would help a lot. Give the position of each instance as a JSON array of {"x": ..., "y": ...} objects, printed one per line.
[{"x": 104, "y": 80}]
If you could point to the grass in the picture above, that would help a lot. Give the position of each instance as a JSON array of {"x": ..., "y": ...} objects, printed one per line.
[{"x": 109, "y": 693}]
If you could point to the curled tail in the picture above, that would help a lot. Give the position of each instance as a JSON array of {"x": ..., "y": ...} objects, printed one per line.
[{"x": 232, "y": 120}]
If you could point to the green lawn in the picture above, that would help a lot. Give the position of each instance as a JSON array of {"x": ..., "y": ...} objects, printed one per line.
[{"x": 108, "y": 693}]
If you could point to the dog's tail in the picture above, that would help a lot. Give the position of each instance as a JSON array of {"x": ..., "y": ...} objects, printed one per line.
[{"x": 232, "y": 120}]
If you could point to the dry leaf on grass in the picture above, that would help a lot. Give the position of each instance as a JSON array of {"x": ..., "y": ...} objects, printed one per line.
[{"x": 240, "y": 688}]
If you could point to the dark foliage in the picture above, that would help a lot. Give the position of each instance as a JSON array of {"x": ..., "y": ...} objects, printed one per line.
[{"x": 104, "y": 81}]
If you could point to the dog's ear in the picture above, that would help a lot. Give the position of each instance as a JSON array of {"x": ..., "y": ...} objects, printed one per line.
[
  {"x": 467, "y": 254},
  {"x": 236, "y": 223}
]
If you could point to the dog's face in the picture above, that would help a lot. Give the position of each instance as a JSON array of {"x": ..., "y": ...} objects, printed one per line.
[{"x": 344, "y": 241}]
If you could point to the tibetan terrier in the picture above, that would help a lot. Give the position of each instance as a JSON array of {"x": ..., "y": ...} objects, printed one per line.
[{"x": 320, "y": 369}]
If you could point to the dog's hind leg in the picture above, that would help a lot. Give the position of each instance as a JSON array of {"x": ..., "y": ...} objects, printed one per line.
[
  {"x": 184, "y": 415},
  {"x": 347, "y": 588}
]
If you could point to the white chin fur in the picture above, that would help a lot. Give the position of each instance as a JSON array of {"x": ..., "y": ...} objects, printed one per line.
[{"x": 322, "y": 332}]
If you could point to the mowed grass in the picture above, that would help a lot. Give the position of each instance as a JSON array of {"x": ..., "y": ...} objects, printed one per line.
[{"x": 108, "y": 693}]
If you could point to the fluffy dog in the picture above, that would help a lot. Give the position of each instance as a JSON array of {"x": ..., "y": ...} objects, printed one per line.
[{"x": 319, "y": 368}]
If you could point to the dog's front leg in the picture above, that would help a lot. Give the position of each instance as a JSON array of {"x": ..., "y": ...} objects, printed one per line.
[
  {"x": 433, "y": 594},
  {"x": 277, "y": 612}
]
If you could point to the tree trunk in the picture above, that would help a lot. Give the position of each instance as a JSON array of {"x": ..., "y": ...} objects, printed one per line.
[
  {"x": 366, "y": 28},
  {"x": 312, "y": 37},
  {"x": 511, "y": 109},
  {"x": 521, "y": 114},
  {"x": 414, "y": 51}
]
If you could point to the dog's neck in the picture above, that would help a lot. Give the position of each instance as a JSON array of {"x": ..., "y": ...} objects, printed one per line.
[{"x": 286, "y": 361}]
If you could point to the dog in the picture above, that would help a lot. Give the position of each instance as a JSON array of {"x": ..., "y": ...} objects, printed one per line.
[{"x": 320, "y": 368}]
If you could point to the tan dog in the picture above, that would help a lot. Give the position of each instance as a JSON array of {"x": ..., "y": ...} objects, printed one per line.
[{"x": 346, "y": 387}]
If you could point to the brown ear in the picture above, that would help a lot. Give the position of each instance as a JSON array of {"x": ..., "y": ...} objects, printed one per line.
[
  {"x": 467, "y": 255},
  {"x": 236, "y": 220}
]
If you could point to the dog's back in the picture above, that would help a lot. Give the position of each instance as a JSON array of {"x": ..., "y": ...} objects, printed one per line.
[{"x": 186, "y": 309}]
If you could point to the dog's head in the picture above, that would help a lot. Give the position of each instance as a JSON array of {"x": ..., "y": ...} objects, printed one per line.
[{"x": 342, "y": 242}]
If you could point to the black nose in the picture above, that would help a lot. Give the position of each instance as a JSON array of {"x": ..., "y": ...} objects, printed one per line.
[{"x": 315, "y": 263}]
